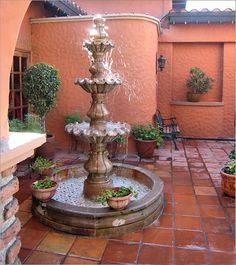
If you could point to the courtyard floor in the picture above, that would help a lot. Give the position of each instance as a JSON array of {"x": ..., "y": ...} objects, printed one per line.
[{"x": 197, "y": 226}]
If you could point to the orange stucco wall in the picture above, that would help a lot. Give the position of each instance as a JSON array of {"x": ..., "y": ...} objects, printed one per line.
[
  {"x": 211, "y": 48},
  {"x": 11, "y": 15},
  {"x": 60, "y": 43},
  {"x": 152, "y": 7}
]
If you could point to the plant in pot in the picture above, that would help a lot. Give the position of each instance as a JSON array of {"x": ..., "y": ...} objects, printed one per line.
[
  {"x": 40, "y": 86},
  {"x": 118, "y": 197},
  {"x": 197, "y": 83},
  {"x": 44, "y": 189},
  {"x": 43, "y": 166},
  {"x": 228, "y": 176},
  {"x": 147, "y": 137}
]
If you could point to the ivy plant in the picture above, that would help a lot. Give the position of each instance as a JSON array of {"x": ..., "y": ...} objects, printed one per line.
[{"x": 40, "y": 86}]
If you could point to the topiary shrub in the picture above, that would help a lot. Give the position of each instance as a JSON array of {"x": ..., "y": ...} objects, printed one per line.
[{"x": 40, "y": 86}]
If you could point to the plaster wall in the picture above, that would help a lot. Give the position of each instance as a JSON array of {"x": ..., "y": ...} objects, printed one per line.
[
  {"x": 11, "y": 16},
  {"x": 152, "y": 7},
  {"x": 211, "y": 48},
  {"x": 134, "y": 59}
]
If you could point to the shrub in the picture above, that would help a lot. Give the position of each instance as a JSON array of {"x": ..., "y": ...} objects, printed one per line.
[
  {"x": 40, "y": 86},
  {"x": 198, "y": 81},
  {"x": 30, "y": 124},
  {"x": 147, "y": 132}
]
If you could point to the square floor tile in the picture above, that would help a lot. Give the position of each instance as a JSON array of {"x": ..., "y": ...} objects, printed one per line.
[
  {"x": 56, "y": 242},
  {"x": 88, "y": 247},
  {"x": 120, "y": 253},
  {"x": 24, "y": 254},
  {"x": 187, "y": 222},
  {"x": 191, "y": 210},
  {"x": 212, "y": 211},
  {"x": 208, "y": 200},
  {"x": 221, "y": 242},
  {"x": 158, "y": 236},
  {"x": 182, "y": 189},
  {"x": 156, "y": 255},
  {"x": 191, "y": 257},
  {"x": 26, "y": 206},
  {"x": 185, "y": 199},
  {"x": 24, "y": 217},
  {"x": 38, "y": 257},
  {"x": 76, "y": 260},
  {"x": 34, "y": 223},
  {"x": 220, "y": 258},
  {"x": 130, "y": 237},
  {"x": 216, "y": 225},
  {"x": 190, "y": 239},
  {"x": 209, "y": 191},
  {"x": 165, "y": 221}
]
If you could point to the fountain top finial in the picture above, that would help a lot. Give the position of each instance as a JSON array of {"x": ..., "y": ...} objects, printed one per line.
[{"x": 98, "y": 33}]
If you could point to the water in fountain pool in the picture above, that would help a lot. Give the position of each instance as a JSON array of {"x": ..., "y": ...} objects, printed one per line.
[{"x": 70, "y": 191}]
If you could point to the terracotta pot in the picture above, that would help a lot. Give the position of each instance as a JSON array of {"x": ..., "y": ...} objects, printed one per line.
[
  {"x": 119, "y": 203},
  {"x": 47, "y": 150},
  {"x": 228, "y": 183},
  {"x": 44, "y": 195},
  {"x": 145, "y": 148},
  {"x": 193, "y": 97}
]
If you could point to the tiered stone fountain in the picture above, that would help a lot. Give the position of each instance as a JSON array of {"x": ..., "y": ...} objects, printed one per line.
[{"x": 73, "y": 209}]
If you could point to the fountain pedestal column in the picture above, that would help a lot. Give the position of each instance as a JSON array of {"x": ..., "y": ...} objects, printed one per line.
[{"x": 98, "y": 166}]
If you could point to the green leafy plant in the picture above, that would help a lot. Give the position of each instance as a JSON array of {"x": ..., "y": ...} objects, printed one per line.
[
  {"x": 232, "y": 154},
  {"x": 40, "y": 85},
  {"x": 230, "y": 167},
  {"x": 31, "y": 123},
  {"x": 147, "y": 132},
  {"x": 120, "y": 139},
  {"x": 120, "y": 192},
  {"x": 45, "y": 183},
  {"x": 72, "y": 118},
  {"x": 198, "y": 81},
  {"x": 41, "y": 163}
]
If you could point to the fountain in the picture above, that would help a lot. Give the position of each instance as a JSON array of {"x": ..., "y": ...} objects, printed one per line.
[{"x": 74, "y": 208}]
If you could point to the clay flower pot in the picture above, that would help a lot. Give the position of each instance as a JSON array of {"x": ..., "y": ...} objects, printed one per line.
[
  {"x": 193, "y": 97},
  {"x": 145, "y": 148},
  {"x": 228, "y": 183},
  {"x": 119, "y": 203},
  {"x": 44, "y": 195}
]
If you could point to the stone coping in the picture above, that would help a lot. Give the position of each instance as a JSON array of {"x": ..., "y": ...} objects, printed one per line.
[
  {"x": 18, "y": 147},
  {"x": 201, "y": 103},
  {"x": 120, "y": 16}
]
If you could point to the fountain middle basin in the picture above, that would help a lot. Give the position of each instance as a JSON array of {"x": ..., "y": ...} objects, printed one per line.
[{"x": 103, "y": 221}]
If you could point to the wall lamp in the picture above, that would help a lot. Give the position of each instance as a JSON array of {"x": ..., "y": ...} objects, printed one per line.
[{"x": 161, "y": 62}]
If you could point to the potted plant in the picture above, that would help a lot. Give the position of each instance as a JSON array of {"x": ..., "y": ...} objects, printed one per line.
[
  {"x": 72, "y": 118},
  {"x": 198, "y": 83},
  {"x": 44, "y": 189},
  {"x": 228, "y": 176},
  {"x": 40, "y": 86},
  {"x": 147, "y": 137},
  {"x": 118, "y": 197},
  {"x": 43, "y": 166}
]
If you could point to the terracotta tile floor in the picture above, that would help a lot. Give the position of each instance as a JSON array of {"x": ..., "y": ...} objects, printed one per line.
[{"x": 197, "y": 226}]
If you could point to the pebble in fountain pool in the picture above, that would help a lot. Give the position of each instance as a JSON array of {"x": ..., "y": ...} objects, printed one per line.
[{"x": 75, "y": 188}]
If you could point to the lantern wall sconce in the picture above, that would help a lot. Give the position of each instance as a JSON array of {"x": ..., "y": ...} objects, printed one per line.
[{"x": 161, "y": 61}]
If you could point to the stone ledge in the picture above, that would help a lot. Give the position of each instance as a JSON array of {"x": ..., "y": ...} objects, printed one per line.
[
  {"x": 201, "y": 104},
  {"x": 18, "y": 147}
]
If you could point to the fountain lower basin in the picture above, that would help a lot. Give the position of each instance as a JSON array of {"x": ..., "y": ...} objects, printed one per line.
[{"x": 104, "y": 221}]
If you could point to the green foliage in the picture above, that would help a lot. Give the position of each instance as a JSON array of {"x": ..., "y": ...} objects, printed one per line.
[
  {"x": 147, "y": 132},
  {"x": 120, "y": 139},
  {"x": 232, "y": 154},
  {"x": 120, "y": 192},
  {"x": 230, "y": 167},
  {"x": 30, "y": 124},
  {"x": 40, "y": 86},
  {"x": 72, "y": 118},
  {"x": 198, "y": 81},
  {"x": 41, "y": 163},
  {"x": 45, "y": 183}
]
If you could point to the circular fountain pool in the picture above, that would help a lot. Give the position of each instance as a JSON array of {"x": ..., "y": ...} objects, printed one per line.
[{"x": 70, "y": 212}]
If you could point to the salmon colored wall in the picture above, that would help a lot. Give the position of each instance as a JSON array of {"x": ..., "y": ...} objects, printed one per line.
[
  {"x": 11, "y": 16},
  {"x": 35, "y": 10},
  {"x": 60, "y": 43},
  {"x": 210, "y": 47},
  {"x": 155, "y": 8}
]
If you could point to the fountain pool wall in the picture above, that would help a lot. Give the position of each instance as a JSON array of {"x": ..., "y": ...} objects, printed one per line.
[{"x": 59, "y": 40}]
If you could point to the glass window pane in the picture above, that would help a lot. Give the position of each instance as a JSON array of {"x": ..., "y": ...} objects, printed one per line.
[
  {"x": 23, "y": 64},
  {"x": 16, "y": 64}
]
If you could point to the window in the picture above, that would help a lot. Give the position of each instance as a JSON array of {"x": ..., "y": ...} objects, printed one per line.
[{"x": 18, "y": 105}]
